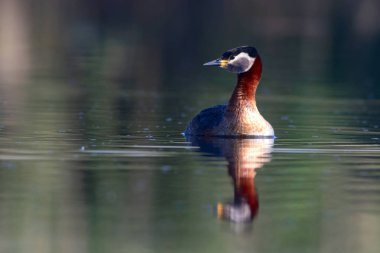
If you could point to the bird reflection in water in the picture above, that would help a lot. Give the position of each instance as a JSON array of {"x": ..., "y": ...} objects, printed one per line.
[{"x": 244, "y": 157}]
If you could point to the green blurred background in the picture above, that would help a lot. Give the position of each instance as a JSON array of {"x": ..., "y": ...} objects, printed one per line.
[{"x": 329, "y": 48}]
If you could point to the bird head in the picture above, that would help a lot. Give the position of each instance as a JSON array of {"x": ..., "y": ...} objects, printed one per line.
[{"x": 237, "y": 60}]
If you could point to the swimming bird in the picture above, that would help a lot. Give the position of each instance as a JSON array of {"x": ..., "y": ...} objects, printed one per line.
[{"x": 240, "y": 117}]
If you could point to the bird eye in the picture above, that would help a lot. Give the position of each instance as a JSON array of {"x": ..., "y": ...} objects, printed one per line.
[{"x": 232, "y": 57}]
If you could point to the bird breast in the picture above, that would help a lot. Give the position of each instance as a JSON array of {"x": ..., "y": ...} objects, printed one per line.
[{"x": 245, "y": 120}]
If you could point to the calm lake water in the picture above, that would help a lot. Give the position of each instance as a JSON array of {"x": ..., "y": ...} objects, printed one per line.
[
  {"x": 100, "y": 177},
  {"x": 94, "y": 96}
]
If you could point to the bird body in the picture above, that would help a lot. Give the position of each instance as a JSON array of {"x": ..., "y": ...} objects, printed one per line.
[{"x": 240, "y": 117}]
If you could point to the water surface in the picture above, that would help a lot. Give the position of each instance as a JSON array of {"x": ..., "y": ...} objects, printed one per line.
[{"x": 97, "y": 177}]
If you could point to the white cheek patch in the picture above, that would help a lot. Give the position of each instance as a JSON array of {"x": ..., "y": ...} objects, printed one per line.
[{"x": 243, "y": 62}]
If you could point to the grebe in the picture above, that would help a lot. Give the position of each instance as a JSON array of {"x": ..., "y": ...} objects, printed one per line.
[{"x": 240, "y": 117}]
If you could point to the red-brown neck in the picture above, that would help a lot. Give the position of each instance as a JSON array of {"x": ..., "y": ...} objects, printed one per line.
[
  {"x": 247, "y": 191},
  {"x": 247, "y": 82}
]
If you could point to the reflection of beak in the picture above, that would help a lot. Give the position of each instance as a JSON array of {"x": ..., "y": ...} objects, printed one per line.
[
  {"x": 219, "y": 210},
  {"x": 218, "y": 62}
]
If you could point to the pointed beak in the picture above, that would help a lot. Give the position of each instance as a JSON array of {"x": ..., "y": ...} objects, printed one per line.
[{"x": 218, "y": 62}]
